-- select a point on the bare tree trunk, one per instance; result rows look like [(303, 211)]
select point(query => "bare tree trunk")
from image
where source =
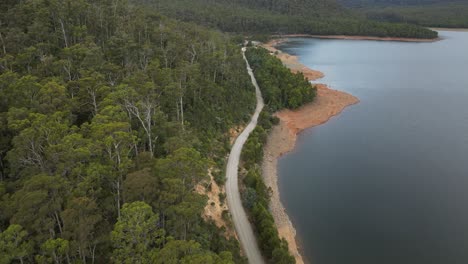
[(68, 258), (118, 198), (92, 93), (193, 52), (3, 44), (58, 223), (145, 121), (119, 180), (2, 168), (93, 254), (67, 69), (56, 258), (83, 256), (64, 33), (136, 149), (182, 111), (148, 125)]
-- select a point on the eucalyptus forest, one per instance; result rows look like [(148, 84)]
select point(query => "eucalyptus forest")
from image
[(110, 115)]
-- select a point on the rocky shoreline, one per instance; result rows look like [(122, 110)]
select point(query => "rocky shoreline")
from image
[(282, 137)]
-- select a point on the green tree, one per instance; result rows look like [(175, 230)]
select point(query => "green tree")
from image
[(136, 234), (54, 251), (38, 133), (14, 245), (185, 164), (186, 214), (80, 226), (114, 141), (281, 254), (178, 251), (140, 98), (38, 205), (141, 186)]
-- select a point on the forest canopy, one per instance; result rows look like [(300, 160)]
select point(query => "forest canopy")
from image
[(434, 13), (321, 17), (110, 116)]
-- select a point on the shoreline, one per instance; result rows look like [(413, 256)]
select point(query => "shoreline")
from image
[(449, 29), (282, 137), (346, 37)]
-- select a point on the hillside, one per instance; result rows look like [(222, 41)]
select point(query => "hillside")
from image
[(323, 17), (110, 116), (115, 124), (435, 13), (306, 8)]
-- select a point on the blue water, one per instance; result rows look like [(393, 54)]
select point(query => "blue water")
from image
[(387, 180)]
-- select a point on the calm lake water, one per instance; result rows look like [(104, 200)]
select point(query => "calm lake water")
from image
[(387, 180)]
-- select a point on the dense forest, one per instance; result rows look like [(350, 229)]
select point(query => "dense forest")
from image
[(435, 13), (280, 88), (110, 115), (323, 17)]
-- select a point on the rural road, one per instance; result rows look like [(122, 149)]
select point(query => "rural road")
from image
[(244, 230)]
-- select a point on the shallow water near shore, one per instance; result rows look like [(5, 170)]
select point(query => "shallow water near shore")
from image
[(387, 180)]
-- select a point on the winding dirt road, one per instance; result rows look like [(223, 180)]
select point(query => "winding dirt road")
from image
[(244, 230)]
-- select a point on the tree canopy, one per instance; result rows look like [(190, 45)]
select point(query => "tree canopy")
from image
[(320, 17), (110, 115)]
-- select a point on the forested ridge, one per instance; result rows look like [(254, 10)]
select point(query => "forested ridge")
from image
[(110, 115), (435, 13), (322, 17), (362, 3)]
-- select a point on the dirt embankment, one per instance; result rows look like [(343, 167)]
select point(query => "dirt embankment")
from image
[(215, 206), (282, 138)]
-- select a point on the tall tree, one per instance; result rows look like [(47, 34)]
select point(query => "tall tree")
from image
[(14, 245), (136, 234), (185, 164), (54, 251), (115, 141), (140, 98), (38, 205), (80, 224)]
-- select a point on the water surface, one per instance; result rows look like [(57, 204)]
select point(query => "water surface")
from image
[(387, 180)]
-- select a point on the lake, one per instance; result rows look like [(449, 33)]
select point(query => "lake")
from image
[(387, 180)]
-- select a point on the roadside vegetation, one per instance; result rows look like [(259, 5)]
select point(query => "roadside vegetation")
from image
[(280, 89)]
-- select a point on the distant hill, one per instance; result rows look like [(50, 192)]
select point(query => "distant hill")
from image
[(373, 3), (323, 17), (287, 7), (435, 13)]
